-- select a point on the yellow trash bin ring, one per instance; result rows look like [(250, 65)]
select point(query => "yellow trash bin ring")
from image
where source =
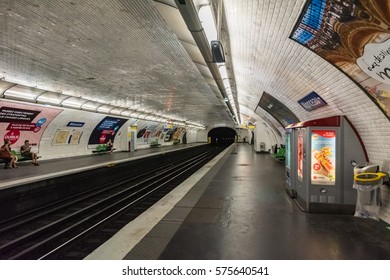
[(369, 178)]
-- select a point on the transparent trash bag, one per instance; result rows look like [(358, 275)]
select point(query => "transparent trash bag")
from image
[(368, 199)]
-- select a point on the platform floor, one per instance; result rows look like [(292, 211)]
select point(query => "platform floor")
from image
[(240, 210), (27, 173)]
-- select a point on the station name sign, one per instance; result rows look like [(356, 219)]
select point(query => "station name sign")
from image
[(312, 101)]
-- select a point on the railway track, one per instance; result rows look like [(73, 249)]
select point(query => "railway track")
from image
[(74, 227)]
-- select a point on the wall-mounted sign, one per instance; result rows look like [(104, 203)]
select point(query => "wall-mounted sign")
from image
[(312, 101), (353, 35), (75, 124), (277, 109)]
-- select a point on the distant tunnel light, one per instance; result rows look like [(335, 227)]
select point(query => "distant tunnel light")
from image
[(207, 20), (23, 93)]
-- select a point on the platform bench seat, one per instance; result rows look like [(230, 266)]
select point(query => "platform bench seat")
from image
[(101, 149), (154, 144), (19, 156)]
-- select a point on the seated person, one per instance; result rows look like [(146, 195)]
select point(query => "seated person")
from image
[(109, 146), (25, 151), (7, 156)]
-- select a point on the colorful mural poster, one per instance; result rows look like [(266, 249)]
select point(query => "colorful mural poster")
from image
[(106, 130), (20, 122), (353, 35), (323, 157), (300, 155)]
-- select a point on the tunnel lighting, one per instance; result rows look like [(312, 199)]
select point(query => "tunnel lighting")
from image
[(223, 71), (50, 97), (73, 102), (207, 20), (91, 106), (117, 110), (105, 108), (4, 86), (126, 113), (226, 83), (19, 92)]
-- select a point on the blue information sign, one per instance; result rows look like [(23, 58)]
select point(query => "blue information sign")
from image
[(75, 124), (312, 101)]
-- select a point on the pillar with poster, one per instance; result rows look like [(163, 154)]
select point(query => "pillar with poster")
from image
[(325, 151)]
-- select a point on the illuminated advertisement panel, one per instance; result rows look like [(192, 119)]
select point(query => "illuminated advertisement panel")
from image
[(277, 110), (288, 151), (353, 35), (20, 122), (300, 155), (323, 157), (106, 130)]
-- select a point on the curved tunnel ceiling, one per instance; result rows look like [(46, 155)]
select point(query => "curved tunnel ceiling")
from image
[(126, 53)]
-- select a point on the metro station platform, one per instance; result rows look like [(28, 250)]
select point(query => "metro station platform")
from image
[(27, 173), (236, 208)]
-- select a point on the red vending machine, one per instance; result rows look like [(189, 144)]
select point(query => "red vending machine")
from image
[(326, 150)]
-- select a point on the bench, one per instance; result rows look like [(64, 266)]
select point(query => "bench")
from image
[(154, 144), (102, 149), (19, 156)]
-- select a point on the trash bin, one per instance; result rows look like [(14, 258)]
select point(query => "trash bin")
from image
[(368, 186)]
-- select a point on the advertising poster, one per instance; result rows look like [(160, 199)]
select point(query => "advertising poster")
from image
[(300, 155), (145, 134), (67, 137), (276, 109), (288, 155), (20, 122), (353, 35), (323, 157), (106, 130)]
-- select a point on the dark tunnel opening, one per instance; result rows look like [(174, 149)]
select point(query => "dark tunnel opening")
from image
[(222, 136)]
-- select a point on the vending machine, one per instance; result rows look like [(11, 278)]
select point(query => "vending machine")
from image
[(290, 163), (326, 152)]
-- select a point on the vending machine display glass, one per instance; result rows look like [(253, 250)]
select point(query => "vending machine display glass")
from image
[(288, 151), (323, 157)]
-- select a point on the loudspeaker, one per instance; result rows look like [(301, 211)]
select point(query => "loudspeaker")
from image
[(217, 52)]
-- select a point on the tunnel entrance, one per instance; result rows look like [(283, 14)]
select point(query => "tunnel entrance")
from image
[(222, 136)]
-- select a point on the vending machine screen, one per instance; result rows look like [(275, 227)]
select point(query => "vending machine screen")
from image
[(323, 157), (300, 155)]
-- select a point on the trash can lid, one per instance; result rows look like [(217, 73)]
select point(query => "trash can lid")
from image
[(369, 178)]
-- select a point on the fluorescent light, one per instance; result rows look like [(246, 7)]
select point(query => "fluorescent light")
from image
[(4, 86), (19, 92), (105, 108), (126, 113), (50, 97), (207, 20), (117, 110), (223, 71), (91, 106), (73, 102)]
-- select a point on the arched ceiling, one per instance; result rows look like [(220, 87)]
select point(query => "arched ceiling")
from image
[(140, 55)]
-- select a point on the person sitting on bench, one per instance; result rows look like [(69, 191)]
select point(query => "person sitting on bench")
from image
[(25, 151), (109, 146), (7, 156)]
